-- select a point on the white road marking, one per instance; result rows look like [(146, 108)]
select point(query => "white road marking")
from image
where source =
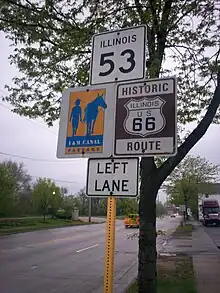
[(87, 248)]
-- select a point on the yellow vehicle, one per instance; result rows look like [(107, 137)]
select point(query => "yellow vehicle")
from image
[(131, 220)]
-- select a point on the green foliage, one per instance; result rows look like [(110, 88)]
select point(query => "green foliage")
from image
[(18, 172), (68, 203), (126, 206), (46, 196), (52, 47), (22, 190), (31, 224), (195, 168), (64, 214), (185, 180), (99, 205), (7, 191)]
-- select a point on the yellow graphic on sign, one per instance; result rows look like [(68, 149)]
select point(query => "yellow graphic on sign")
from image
[(85, 126)]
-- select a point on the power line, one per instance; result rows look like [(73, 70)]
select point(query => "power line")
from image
[(31, 158), (35, 123), (3, 92), (35, 159), (28, 119), (57, 180)]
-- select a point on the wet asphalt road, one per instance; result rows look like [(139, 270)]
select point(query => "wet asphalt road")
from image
[(214, 233), (67, 259)]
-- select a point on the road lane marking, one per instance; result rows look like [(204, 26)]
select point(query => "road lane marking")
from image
[(86, 248)]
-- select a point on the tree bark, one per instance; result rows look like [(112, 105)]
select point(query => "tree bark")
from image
[(168, 166), (151, 180), (147, 281)]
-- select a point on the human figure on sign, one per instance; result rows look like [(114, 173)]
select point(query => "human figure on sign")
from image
[(76, 116), (91, 113)]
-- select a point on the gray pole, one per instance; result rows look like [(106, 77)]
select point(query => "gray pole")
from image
[(90, 209)]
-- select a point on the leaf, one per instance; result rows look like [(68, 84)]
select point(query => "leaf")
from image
[(52, 48)]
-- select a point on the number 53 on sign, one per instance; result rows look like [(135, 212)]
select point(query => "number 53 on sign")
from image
[(118, 55)]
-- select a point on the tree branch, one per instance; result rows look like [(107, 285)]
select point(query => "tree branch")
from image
[(169, 165), (183, 15), (154, 15), (35, 9), (147, 168), (139, 10), (163, 30)]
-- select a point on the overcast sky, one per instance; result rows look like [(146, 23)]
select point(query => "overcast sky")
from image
[(23, 137)]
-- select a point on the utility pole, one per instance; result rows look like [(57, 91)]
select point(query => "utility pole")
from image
[(90, 209), (186, 207)]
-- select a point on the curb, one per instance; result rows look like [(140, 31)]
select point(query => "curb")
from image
[(124, 290)]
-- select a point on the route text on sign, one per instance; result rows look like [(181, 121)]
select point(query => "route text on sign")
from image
[(112, 177)]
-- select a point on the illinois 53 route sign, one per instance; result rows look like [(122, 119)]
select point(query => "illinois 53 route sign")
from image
[(112, 177), (118, 55), (145, 119), (86, 122)]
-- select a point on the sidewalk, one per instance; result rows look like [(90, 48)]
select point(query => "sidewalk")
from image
[(206, 258)]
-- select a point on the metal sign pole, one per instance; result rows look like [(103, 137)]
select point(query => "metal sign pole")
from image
[(110, 246), (90, 209)]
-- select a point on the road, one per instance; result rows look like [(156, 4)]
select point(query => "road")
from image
[(67, 259), (214, 233)]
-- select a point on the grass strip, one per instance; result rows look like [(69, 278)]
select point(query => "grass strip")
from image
[(174, 275), (11, 226)]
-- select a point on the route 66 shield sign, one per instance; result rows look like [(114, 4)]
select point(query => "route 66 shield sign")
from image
[(144, 117)]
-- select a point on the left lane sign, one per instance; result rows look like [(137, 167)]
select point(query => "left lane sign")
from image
[(86, 122), (112, 177)]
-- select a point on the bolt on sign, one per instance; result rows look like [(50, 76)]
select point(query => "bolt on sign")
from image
[(145, 119), (86, 122)]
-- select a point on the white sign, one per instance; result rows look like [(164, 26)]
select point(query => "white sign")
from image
[(112, 177), (153, 121), (145, 119), (118, 55), (87, 122)]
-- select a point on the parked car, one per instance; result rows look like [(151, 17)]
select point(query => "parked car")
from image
[(173, 216), (131, 220)]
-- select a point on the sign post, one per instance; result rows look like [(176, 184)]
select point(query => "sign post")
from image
[(112, 178), (114, 123), (116, 56), (110, 245)]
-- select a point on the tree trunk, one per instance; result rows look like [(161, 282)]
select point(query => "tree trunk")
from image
[(147, 281)]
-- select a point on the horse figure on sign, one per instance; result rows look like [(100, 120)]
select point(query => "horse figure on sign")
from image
[(91, 113)]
